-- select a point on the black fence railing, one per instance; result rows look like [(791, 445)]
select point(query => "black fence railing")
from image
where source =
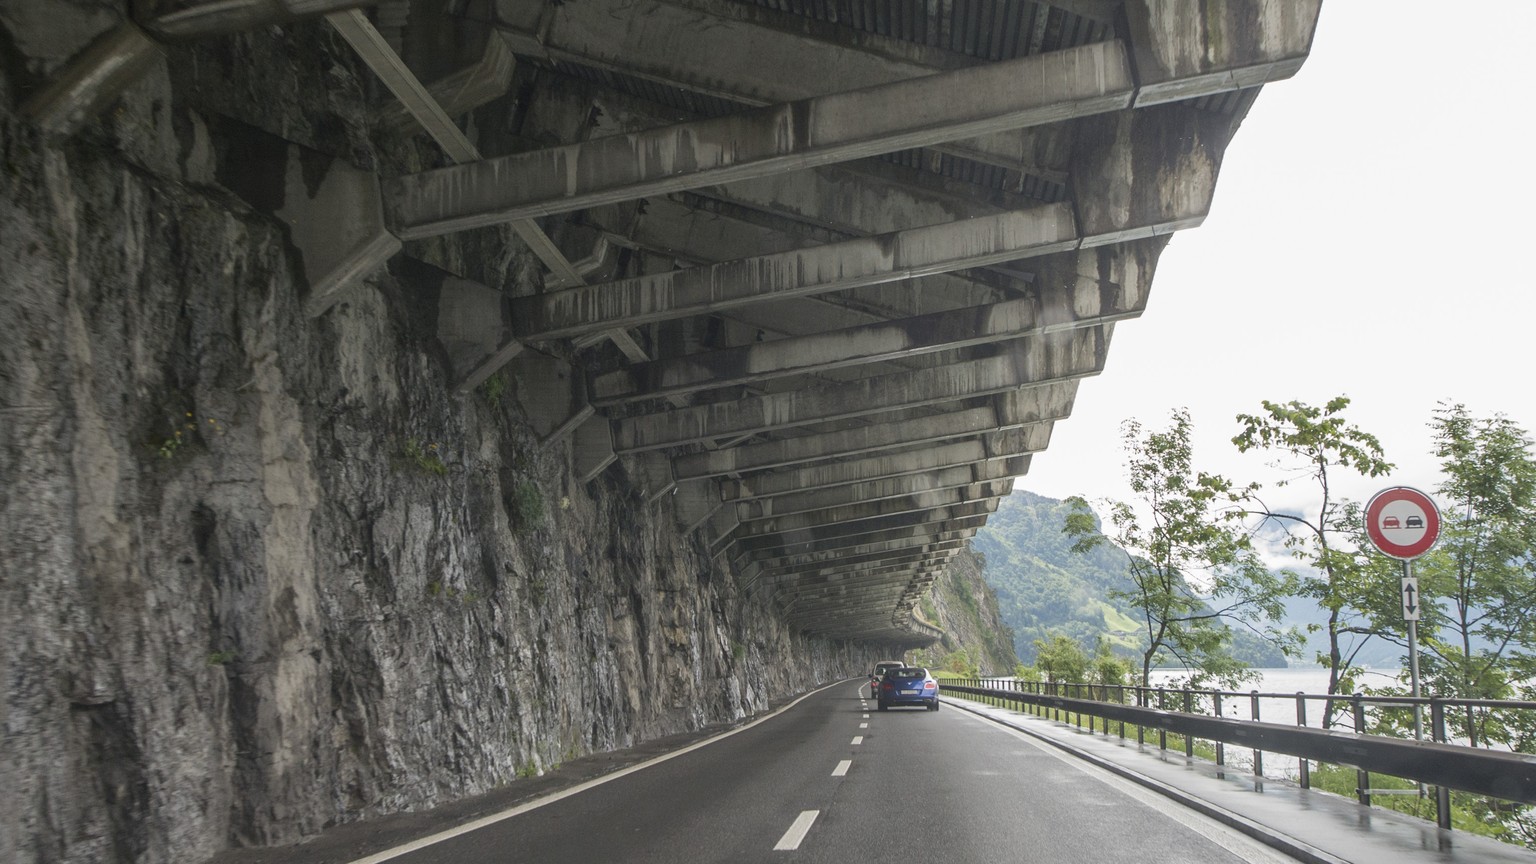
[(1202, 714)]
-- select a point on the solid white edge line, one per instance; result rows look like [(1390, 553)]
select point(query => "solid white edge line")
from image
[(797, 831), (842, 768), (551, 798)]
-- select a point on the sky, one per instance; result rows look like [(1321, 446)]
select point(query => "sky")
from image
[(1371, 236)]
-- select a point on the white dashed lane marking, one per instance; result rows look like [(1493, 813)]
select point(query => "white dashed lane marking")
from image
[(858, 739), (863, 725), (842, 768), (791, 839)]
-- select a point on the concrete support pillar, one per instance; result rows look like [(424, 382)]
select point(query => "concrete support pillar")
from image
[(592, 448), (651, 471), (470, 324), (694, 503), (548, 390), (336, 224)]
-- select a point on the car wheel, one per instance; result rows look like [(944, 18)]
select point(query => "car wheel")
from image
[(883, 706), (934, 705)]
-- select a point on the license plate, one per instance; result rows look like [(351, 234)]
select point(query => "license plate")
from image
[(909, 692)]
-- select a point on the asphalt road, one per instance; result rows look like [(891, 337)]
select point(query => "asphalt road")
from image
[(830, 780)]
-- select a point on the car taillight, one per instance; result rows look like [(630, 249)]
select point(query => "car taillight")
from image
[(928, 685), (888, 686)]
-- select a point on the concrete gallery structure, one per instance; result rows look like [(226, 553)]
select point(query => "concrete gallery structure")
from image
[(824, 273)]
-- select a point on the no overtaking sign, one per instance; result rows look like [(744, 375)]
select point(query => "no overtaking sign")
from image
[(1403, 522)]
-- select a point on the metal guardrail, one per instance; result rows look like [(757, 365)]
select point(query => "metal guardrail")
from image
[(1496, 774)]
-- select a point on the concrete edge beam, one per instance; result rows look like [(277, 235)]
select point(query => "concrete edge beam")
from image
[(964, 103), (1060, 308), (984, 495), (781, 545), (1013, 442), (832, 554), (1032, 361), (890, 487), (811, 270)]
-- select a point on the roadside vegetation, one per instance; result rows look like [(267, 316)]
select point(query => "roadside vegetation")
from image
[(1195, 584)]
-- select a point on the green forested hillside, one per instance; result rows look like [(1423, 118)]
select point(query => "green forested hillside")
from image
[(1043, 586)]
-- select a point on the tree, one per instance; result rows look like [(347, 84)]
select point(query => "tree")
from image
[(1060, 659), (1314, 444), (1188, 532), (1479, 636)]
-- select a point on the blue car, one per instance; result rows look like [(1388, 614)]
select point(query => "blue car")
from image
[(909, 685)]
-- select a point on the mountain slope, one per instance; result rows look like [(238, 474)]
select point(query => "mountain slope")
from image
[(1043, 586)]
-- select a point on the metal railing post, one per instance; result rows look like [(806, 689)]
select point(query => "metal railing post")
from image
[(1162, 704), (1258, 755), (1189, 708), (1437, 733), (1301, 720), (1362, 776), (1221, 748)]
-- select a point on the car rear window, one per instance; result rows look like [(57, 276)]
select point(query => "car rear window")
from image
[(911, 672)]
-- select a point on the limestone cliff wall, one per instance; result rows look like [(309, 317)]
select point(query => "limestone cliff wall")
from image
[(964, 605), (262, 573)]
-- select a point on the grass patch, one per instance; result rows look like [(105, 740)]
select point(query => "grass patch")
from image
[(425, 456)]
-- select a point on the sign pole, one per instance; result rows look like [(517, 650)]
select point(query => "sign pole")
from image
[(1411, 598)]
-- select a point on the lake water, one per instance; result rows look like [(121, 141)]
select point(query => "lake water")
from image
[(1311, 680)]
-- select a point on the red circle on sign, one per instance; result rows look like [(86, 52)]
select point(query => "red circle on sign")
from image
[(1402, 521)]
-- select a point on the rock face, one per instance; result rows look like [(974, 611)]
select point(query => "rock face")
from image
[(962, 603), (264, 573)]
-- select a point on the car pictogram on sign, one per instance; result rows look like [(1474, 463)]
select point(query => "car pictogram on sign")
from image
[(1391, 522), (1415, 522)]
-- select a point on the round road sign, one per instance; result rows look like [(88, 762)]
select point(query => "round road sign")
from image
[(1402, 521)]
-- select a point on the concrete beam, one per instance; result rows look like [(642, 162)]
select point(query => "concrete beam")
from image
[(903, 432), (983, 496), (821, 611), (856, 590), (875, 490), (798, 273), (371, 46), (1185, 48), (697, 45), (1030, 362), (887, 547), (1054, 307), (895, 570), (779, 544), (1013, 442), (463, 91), (864, 565), (964, 103), (1034, 405)]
